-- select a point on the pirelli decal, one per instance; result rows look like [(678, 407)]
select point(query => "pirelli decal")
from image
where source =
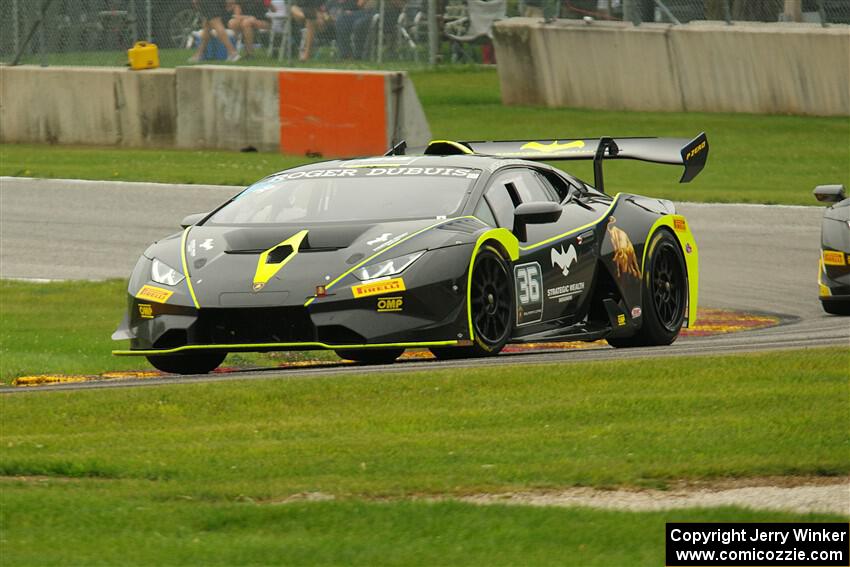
[(156, 294), (833, 258), (679, 224), (696, 150), (381, 287)]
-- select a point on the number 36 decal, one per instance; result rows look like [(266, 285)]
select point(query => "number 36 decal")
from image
[(528, 278)]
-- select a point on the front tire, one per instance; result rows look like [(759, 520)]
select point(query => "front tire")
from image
[(370, 355), (190, 363), (491, 295), (664, 295)]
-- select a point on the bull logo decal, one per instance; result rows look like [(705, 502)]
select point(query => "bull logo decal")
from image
[(564, 259), (624, 253), (382, 238)]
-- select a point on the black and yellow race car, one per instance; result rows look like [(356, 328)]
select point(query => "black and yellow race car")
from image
[(460, 247), (834, 265)]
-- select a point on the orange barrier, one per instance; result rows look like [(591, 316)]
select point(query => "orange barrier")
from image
[(335, 114)]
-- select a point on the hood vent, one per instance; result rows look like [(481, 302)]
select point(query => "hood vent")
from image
[(279, 254), (321, 238)]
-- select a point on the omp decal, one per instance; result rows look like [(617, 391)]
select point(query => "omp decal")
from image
[(624, 252), (833, 258), (253, 346), (186, 267), (145, 311), (390, 304), (378, 288), (511, 245), (696, 150), (575, 230), (152, 293), (564, 260), (636, 312), (265, 270), (553, 147), (687, 242), (528, 279), (679, 224)]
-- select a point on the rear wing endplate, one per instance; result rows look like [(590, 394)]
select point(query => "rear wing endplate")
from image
[(691, 154)]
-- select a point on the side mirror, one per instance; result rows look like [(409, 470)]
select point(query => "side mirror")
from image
[(536, 212), (192, 220), (829, 193)]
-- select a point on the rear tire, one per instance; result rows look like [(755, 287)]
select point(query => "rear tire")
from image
[(492, 299), (370, 355), (664, 296), (836, 307), (191, 363)]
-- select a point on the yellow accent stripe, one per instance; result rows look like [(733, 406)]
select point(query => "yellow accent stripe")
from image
[(504, 237), (685, 237), (573, 231), (378, 253), (309, 345), (186, 266), (823, 291), (265, 271)]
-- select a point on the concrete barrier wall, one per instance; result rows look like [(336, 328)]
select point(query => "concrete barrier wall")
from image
[(205, 106), (747, 67), (228, 107), (87, 105)]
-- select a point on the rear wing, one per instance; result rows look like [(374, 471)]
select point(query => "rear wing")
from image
[(673, 151)]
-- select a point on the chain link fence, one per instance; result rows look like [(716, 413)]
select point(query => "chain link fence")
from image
[(367, 33)]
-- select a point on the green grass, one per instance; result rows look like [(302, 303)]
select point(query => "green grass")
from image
[(197, 473), (65, 327), (601, 424), (40, 530), (754, 158)]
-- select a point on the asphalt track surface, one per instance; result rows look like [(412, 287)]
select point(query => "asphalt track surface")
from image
[(754, 258)]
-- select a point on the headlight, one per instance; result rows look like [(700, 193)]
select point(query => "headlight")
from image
[(387, 267), (165, 274)]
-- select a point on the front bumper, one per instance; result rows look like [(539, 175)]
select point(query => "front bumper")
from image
[(430, 311), (834, 277)]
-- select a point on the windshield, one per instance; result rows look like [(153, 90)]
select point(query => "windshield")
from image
[(367, 194)]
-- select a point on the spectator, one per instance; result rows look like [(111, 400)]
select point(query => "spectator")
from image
[(350, 14), (213, 12), (249, 15), (315, 18)]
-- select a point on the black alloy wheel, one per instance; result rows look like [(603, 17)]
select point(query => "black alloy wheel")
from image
[(664, 295), (491, 296)]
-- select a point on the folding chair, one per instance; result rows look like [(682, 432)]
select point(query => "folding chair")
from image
[(481, 15)]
